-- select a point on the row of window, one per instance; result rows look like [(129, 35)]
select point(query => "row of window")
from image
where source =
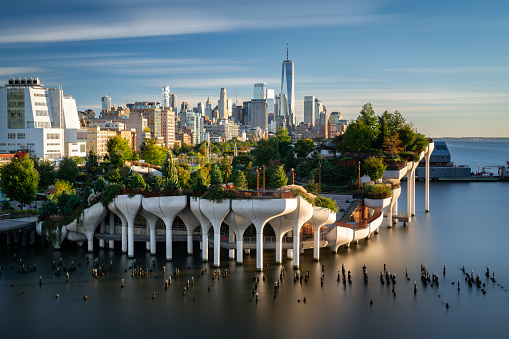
[(52, 136), (40, 95), (41, 113), (13, 135), (40, 103), (43, 124)]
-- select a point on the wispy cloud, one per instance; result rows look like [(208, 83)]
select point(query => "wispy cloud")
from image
[(450, 70), (178, 18), (15, 71)]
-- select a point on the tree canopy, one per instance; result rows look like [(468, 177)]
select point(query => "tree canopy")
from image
[(170, 171), (151, 152), (19, 180), (92, 165), (46, 171), (68, 169), (304, 146)]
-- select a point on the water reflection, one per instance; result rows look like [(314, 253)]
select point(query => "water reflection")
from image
[(467, 226)]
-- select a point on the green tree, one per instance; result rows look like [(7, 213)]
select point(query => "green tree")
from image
[(62, 186), (100, 185), (170, 171), (46, 171), (392, 145), (241, 160), (216, 177), (92, 165), (151, 152), (19, 180), (134, 180), (407, 135), (279, 178), (250, 176), (156, 183), (68, 169), (357, 137), (68, 202), (184, 177), (114, 176), (122, 145), (285, 148), (239, 180), (117, 158), (198, 181), (368, 117), (374, 168), (265, 151), (304, 146)]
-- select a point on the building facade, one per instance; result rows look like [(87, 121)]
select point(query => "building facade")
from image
[(39, 120)]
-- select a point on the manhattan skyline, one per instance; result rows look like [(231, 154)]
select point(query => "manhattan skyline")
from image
[(444, 66)]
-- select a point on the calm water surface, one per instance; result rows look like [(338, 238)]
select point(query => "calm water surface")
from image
[(467, 226), (479, 153)]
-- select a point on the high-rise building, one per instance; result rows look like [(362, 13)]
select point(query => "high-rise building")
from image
[(257, 113), (39, 120), (260, 91), (319, 108), (195, 122), (208, 108), (106, 103), (184, 106), (166, 96), (288, 89), (223, 104), (168, 127), (309, 109), (173, 102)]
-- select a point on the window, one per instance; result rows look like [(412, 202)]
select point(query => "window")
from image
[(21, 135), (11, 136), (52, 136), (41, 113), (53, 144), (43, 124), (40, 95), (15, 108), (40, 103)]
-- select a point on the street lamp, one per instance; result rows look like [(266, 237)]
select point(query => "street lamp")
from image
[(293, 177)]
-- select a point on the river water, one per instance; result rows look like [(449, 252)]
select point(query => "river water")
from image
[(467, 225)]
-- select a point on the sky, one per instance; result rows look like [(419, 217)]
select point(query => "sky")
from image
[(443, 64)]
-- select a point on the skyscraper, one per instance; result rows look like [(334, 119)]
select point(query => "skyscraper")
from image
[(260, 91), (223, 104), (287, 88), (166, 96), (173, 102), (208, 108), (106, 103), (309, 109)]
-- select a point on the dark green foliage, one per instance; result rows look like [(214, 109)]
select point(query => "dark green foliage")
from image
[(420, 143), (304, 146), (357, 137), (239, 180), (134, 180), (46, 171), (368, 117), (156, 183), (374, 167), (327, 203), (218, 194), (184, 176), (68, 202), (312, 186), (279, 178), (114, 176), (304, 196), (99, 185), (250, 176), (407, 135), (92, 165), (48, 208), (170, 171), (241, 160), (198, 181), (110, 193), (216, 177), (265, 151), (68, 170), (117, 158), (376, 191), (331, 173), (19, 180)]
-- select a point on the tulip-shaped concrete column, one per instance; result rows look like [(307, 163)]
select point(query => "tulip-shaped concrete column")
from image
[(261, 211), (129, 207), (111, 228), (89, 220), (321, 216), (281, 225), (215, 212), (297, 218), (191, 223), (390, 209), (239, 224), (102, 229), (113, 208), (167, 209), (205, 226), (410, 184), (429, 150), (151, 221)]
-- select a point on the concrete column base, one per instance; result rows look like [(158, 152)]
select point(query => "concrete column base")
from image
[(231, 254), (111, 244), (101, 243), (289, 253)]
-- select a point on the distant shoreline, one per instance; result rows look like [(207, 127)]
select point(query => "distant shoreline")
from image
[(471, 138)]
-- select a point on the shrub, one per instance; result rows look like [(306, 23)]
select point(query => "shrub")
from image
[(326, 203), (218, 193), (374, 167), (48, 208), (99, 185), (379, 191)]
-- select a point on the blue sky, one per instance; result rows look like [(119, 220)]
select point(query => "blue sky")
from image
[(443, 64)]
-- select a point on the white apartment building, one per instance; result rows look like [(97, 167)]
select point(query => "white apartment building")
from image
[(40, 120)]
